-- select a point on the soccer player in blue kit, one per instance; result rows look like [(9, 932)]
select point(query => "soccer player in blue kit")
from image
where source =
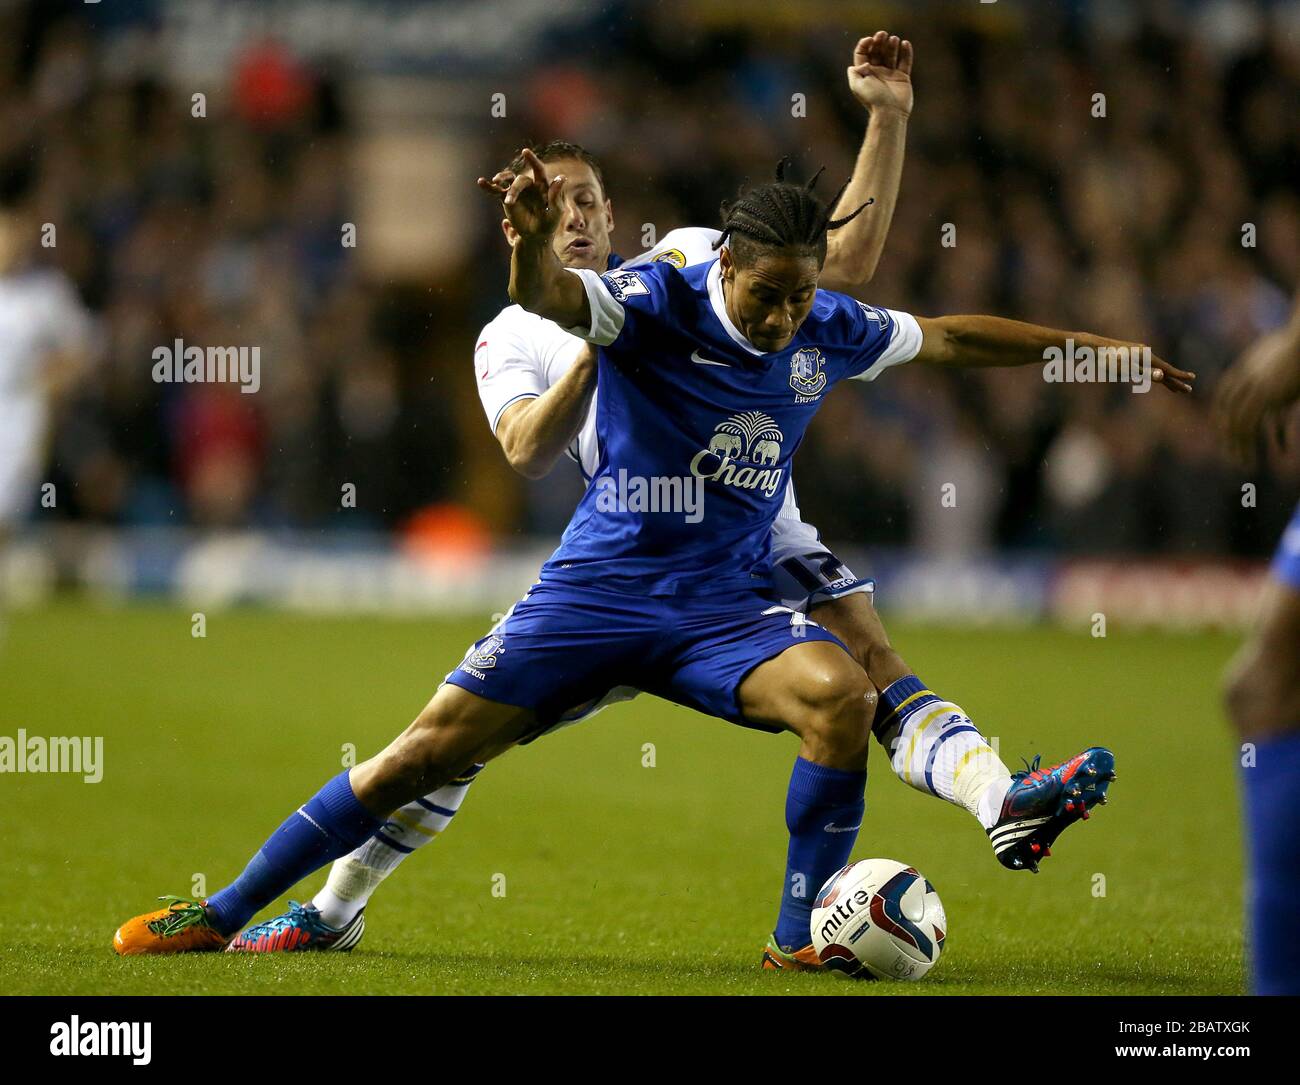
[(1263, 688), (708, 377)]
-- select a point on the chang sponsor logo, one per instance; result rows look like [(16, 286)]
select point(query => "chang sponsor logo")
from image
[(743, 452)]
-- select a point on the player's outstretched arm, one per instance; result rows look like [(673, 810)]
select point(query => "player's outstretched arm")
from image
[(1258, 392), (538, 281), (880, 78), (975, 341)]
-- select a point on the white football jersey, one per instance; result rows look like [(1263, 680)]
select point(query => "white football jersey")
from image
[(40, 315), (519, 355)]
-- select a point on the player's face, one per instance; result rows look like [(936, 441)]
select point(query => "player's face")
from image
[(582, 239), (771, 299)]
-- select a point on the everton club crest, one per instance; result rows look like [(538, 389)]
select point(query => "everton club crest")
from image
[(806, 375), (485, 654)]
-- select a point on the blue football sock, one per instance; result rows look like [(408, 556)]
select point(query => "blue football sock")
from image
[(330, 825), (823, 811), (1272, 793)]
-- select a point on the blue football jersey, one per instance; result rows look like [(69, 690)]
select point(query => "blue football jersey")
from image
[(698, 428)]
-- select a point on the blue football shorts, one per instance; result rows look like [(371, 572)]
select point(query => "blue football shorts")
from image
[(562, 649)]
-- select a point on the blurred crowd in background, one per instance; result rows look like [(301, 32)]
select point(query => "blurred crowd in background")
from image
[(226, 230)]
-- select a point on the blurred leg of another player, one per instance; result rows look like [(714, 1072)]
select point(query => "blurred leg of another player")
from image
[(1257, 397), (1263, 698)]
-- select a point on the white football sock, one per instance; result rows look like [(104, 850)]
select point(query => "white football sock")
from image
[(354, 878), (934, 747)]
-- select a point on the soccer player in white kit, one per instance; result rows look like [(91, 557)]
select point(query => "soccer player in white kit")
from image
[(44, 343)]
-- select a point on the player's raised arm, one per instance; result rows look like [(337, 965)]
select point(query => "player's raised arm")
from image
[(538, 281), (880, 78), (974, 341)]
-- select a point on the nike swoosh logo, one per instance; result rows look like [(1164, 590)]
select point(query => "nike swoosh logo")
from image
[(831, 827), (695, 357)]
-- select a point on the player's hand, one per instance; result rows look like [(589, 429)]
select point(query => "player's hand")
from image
[(1257, 394), (530, 200), (881, 74), (1176, 380)]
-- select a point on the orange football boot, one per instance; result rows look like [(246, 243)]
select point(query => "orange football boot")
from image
[(181, 927), (799, 960)]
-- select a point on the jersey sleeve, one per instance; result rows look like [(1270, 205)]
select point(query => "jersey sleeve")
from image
[(508, 368), (681, 248), (626, 305), (883, 337)]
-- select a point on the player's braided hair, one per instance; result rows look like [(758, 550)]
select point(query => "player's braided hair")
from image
[(780, 215)]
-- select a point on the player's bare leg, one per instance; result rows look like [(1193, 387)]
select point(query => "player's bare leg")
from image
[(1263, 687), (854, 619), (456, 729), (816, 691)]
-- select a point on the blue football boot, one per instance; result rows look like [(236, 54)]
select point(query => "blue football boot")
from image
[(1043, 802), (297, 930)]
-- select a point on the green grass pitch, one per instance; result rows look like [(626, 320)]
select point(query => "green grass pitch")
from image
[(619, 878)]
